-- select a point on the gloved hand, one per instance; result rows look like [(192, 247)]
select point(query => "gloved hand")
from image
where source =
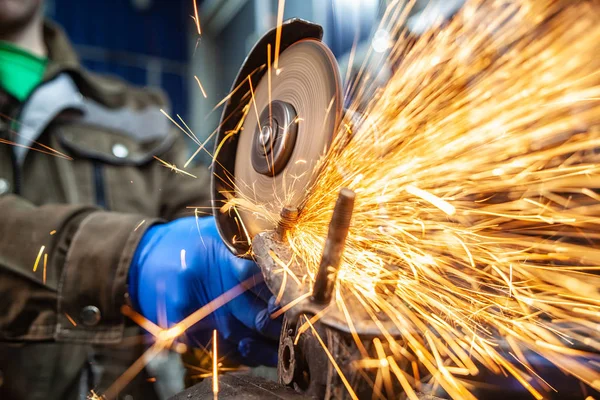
[(159, 283)]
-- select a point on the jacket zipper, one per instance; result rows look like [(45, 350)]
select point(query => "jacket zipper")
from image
[(99, 187), (16, 174), (15, 167)]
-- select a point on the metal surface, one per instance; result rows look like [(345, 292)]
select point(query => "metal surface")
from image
[(240, 387), (304, 365)]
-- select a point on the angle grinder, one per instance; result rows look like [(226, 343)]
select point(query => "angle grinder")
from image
[(277, 125)]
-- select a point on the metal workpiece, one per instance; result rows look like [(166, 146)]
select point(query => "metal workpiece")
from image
[(334, 247), (266, 244), (240, 386), (288, 217), (305, 366)]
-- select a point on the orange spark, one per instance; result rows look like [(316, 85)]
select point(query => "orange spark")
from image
[(133, 370), (333, 362), (289, 305), (188, 134), (215, 379), (94, 396), (219, 301), (45, 263), (140, 224), (197, 18), (431, 198), (39, 256), (71, 320), (280, 9), (166, 336), (174, 168), (145, 323), (201, 87)]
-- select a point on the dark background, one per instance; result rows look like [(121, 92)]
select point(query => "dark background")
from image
[(155, 42)]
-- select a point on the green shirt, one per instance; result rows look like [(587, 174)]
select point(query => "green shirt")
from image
[(20, 71)]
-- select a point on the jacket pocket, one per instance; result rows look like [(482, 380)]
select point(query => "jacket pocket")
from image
[(115, 170), (110, 146)]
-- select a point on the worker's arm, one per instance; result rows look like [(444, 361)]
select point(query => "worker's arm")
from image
[(90, 256), (85, 258)]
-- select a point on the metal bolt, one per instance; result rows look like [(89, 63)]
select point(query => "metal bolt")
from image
[(334, 247), (289, 216), (265, 135)]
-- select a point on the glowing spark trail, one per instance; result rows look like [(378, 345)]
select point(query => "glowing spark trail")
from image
[(280, 9), (45, 265), (139, 225), (71, 320), (332, 360), (477, 175), (174, 168), (38, 258), (200, 85), (215, 376), (197, 19)]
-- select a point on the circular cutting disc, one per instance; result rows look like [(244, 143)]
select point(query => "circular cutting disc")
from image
[(308, 81)]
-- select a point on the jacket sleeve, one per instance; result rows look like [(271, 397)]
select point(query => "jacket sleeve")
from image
[(63, 271)]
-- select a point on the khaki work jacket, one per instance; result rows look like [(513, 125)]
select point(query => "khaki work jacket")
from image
[(79, 180)]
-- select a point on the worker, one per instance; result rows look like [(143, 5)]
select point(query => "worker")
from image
[(91, 222)]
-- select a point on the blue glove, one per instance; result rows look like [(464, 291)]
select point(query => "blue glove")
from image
[(160, 283)]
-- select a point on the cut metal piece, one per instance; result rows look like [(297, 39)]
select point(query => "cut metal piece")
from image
[(278, 151), (268, 243), (334, 247), (288, 217)]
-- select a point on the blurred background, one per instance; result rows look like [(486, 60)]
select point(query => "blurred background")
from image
[(155, 42)]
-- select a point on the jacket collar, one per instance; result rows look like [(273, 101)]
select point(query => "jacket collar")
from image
[(61, 55)]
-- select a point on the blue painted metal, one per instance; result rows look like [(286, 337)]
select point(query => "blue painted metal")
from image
[(117, 26)]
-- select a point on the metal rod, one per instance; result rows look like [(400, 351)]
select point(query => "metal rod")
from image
[(289, 216), (334, 247)]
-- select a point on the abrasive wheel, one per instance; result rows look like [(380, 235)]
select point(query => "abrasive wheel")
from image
[(289, 116)]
